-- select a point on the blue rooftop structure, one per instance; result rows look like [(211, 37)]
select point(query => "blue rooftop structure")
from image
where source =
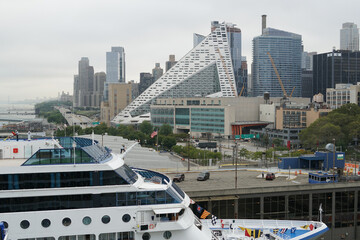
[(317, 161)]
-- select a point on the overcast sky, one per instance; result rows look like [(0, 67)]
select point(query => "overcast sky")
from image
[(41, 41)]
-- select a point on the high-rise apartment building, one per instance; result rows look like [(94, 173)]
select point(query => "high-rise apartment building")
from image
[(99, 81), (169, 64), (84, 84), (331, 68), (146, 79), (157, 71), (120, 95), (285, 49), (115, 67), (205, 70), (349, 37), (234, 39)]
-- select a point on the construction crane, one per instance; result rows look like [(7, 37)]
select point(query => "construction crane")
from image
[(226, 71), (242, 89), (278, 76)]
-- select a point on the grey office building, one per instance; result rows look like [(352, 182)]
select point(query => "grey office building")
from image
[(84, 84), (286, 50)]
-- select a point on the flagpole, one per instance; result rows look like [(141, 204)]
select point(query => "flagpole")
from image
[(157, 140)]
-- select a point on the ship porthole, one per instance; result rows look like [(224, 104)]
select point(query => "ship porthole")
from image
[(126, 218), (86, 220), (45, 223), (146, 236), (167, 235), (105, 219), (66, 222), (24, 224)]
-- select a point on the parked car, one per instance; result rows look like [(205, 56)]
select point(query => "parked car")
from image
[(179, 177), (270, 176), (203, 176)]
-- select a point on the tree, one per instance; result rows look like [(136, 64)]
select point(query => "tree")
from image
[(165, 130), (243, 152), (168, 142), (146, 127)]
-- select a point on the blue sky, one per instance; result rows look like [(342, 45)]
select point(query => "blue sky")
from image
[(41, 41)]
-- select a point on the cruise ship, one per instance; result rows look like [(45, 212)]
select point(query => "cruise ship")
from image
[(74, 189)]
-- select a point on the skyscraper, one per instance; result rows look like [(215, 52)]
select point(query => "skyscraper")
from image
[(169, 64), (115, 67), (349, 37), (157, 71), (205, 70), (234, 39), (285, 49), (331, 68), (146, 79), (99, 81), (84, 84)]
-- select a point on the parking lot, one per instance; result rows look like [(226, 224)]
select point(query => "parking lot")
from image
[(226, 180)]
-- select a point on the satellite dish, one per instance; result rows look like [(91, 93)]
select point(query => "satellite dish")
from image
[(329, 147)]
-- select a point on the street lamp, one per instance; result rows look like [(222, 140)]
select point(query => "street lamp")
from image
[(189, 152), (334, 157)]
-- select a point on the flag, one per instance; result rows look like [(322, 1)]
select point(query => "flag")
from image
[(304, 227), (204, 214), (153, 134), (275, 230), (213, 219), (283, 230), (311, 227), (256, 233), (293, 230)]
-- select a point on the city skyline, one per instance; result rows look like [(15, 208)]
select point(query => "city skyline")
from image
[(42, 41)]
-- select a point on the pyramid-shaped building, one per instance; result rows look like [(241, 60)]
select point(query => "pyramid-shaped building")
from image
[(205, 70)]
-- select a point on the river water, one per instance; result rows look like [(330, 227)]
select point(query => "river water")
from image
[(10, 112)]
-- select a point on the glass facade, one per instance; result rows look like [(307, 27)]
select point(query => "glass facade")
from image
[(59, 180), (62, 202), (160, 116), (182, 116), (286, 50), (208, 120), (346, 70)]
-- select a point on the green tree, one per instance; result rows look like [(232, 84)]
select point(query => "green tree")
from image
[(165, 130), (168, 142), (243, 152), (146, 127)]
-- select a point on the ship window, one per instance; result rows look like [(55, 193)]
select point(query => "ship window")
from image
[(146, 236), (45, 223), (105, 219), (24, 224), (167, 234), (66, 222), (126, 218), (86, 220), (127, 173)]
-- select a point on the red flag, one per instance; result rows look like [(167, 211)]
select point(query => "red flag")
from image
[(288, 144), (153, 134)]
